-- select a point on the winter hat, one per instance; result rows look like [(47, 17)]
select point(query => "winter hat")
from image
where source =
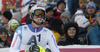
[(49, 9), (81, 20), (12, 21), (7, 14), (18, 16), (66, 14), (3, 30), (91, 4), (31, 4), (59, 2), (71, 24), (82, 1)]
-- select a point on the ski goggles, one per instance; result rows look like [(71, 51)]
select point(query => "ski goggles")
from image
[(39, 12), (15, 25)]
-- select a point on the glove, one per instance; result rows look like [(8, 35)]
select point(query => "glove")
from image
[(35, 48), (48, 50)]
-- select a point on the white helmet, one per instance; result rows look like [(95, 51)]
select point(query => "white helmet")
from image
[(41, 11)]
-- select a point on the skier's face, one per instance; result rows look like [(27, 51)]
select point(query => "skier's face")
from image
[(38, 19)]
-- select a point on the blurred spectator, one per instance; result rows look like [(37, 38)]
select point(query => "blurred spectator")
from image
[(18, 16), (72, 6), (61, 5), (3, 38), (49, 14), (26, 19), (56, 28), (94, 34), (71, 34), (83, 23), (82, 5), (96, 22), (92, 25), (6, 16), (13, 24), (91, 10), (65, 17)]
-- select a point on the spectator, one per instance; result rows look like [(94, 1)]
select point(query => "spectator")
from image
[(3, 38), (26, 19), (91, 10), (82, 5), (61, 5), (96, 22), (92, 25), (12, 25), (71, 34), (94, 34), (6, 16), (83, 23), (49, 14), (56, 28), (65, 17)]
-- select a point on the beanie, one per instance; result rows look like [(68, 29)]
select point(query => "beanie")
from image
[(12, 21), (7, 14), (49, 9), (66, 14), (3, 30), (31, 4), (82, 1), (18, 16), (59, 2), (71, 24), (91, 4)]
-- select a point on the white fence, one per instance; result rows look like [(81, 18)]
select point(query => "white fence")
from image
[(77, 47)]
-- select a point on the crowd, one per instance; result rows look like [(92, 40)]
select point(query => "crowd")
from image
[(80, 24)]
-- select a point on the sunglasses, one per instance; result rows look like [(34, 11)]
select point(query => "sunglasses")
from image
[(39, 12), (15, 25)]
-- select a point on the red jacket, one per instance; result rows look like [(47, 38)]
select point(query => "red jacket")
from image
[(56, 14)]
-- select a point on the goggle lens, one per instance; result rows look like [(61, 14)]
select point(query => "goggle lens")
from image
[(14, 25), (39, 12)]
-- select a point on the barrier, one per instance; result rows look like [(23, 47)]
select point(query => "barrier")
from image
[(71, 48)]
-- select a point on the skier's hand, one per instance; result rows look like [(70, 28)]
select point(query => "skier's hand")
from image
[(35, 48), (48, 50)]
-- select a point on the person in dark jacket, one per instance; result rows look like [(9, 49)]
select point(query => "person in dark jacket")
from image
[(94, 33), (28, 20), (71, 34)]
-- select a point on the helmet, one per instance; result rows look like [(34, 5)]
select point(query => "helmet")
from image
[(37, 10)]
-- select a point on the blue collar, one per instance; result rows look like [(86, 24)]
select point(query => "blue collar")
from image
[(33, 29)]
